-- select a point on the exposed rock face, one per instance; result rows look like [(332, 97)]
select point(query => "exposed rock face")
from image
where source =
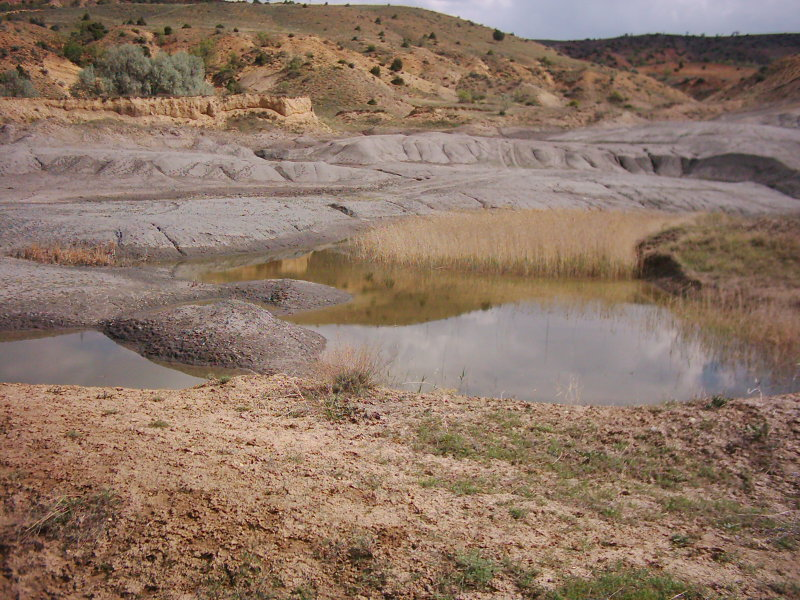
[(200, 109), (230, 333)]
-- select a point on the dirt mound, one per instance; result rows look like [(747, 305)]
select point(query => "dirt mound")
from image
[(230, 333)]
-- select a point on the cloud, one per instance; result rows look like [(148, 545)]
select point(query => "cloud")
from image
[(578, 19)]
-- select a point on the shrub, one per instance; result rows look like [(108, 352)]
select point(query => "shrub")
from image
[(397, 65), (73, 51), (376, 70), (167, 30), (127, 71), (498, 35), (398, 81), (13, 84)]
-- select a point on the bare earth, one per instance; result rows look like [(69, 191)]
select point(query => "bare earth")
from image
[(267, 484)]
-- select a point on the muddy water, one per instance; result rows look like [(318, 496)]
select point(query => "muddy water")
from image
[(540, 340), (84, 358)]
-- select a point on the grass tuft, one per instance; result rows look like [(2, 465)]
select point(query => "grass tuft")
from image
[(628, 584), (351, 371)]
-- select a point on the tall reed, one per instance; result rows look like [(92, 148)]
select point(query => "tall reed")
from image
[(542, 243)]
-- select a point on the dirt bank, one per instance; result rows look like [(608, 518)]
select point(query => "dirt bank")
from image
[(275, 487)]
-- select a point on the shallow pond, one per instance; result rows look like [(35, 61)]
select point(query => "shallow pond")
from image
[(543, 340), (84, 358)]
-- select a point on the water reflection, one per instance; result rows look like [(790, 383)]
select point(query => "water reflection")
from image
[(84, 358), (543, 340)]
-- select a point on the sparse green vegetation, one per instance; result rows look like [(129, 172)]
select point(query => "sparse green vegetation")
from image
[(628, 584), (15, 84), (74, 520)]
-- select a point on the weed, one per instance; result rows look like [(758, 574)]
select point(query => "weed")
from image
[(517, 513), (338, 408), (680, 541), (473, 570), (248, 578), (158, 424), (75, 519), (110, 411), (73, 434), (718, 401)]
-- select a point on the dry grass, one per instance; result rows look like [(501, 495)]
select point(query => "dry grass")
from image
[(542, 243), (351, 370), (90, 255)]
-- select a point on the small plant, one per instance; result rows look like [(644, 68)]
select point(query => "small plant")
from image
[(398, 81), (75, 519), (498, 36), (680, 541), (93, 255), (14, 84), (397, 65), (718, 401), (474, 571), (517, 513), (158, 424), (349, 370), (167, 30), (376, 70)]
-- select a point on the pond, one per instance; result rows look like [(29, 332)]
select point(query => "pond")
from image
[(84, 358), (586, 342)]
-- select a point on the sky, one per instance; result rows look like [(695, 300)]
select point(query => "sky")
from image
[(579, 19)]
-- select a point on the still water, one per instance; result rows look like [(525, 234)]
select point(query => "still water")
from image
[(84, 358), (541, 340)]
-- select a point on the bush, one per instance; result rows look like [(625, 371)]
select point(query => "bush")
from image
[(127, 71), (167, 30), (376, 70), (498, 35), (398, 81), (13, 84), (397, 65), (73, 51)]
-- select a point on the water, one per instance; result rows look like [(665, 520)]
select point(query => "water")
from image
[(541, 340), (84, 358)]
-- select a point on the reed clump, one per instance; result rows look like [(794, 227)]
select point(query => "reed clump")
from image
[(82, 254), (540, 243)]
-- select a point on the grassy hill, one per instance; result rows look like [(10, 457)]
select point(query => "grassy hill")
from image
[(697, 65), (361, 65)]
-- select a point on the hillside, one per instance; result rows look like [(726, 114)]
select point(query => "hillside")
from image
[(361, 65), (697, 65)]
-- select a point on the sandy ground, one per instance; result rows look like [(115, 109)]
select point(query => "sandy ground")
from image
[(273, 485)]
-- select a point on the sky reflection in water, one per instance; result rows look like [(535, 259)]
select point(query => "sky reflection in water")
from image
[(551, 341), (84, 358)]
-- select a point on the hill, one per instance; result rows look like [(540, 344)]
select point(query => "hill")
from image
[(361, 65), (697, 65)]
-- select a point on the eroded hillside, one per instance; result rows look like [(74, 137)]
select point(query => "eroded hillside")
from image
[(360, 65)]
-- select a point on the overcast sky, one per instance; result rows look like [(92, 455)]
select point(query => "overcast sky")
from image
[(578, 19)]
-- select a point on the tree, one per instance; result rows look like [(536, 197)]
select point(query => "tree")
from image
[(498, 35)]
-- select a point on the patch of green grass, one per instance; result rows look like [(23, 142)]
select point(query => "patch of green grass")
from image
[(473, 570), (627, 584)]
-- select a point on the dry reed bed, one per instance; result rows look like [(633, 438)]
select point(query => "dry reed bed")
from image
[(542, 243), (88, 255)]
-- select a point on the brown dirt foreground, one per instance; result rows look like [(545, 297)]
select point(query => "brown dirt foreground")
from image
[(271, 487)]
